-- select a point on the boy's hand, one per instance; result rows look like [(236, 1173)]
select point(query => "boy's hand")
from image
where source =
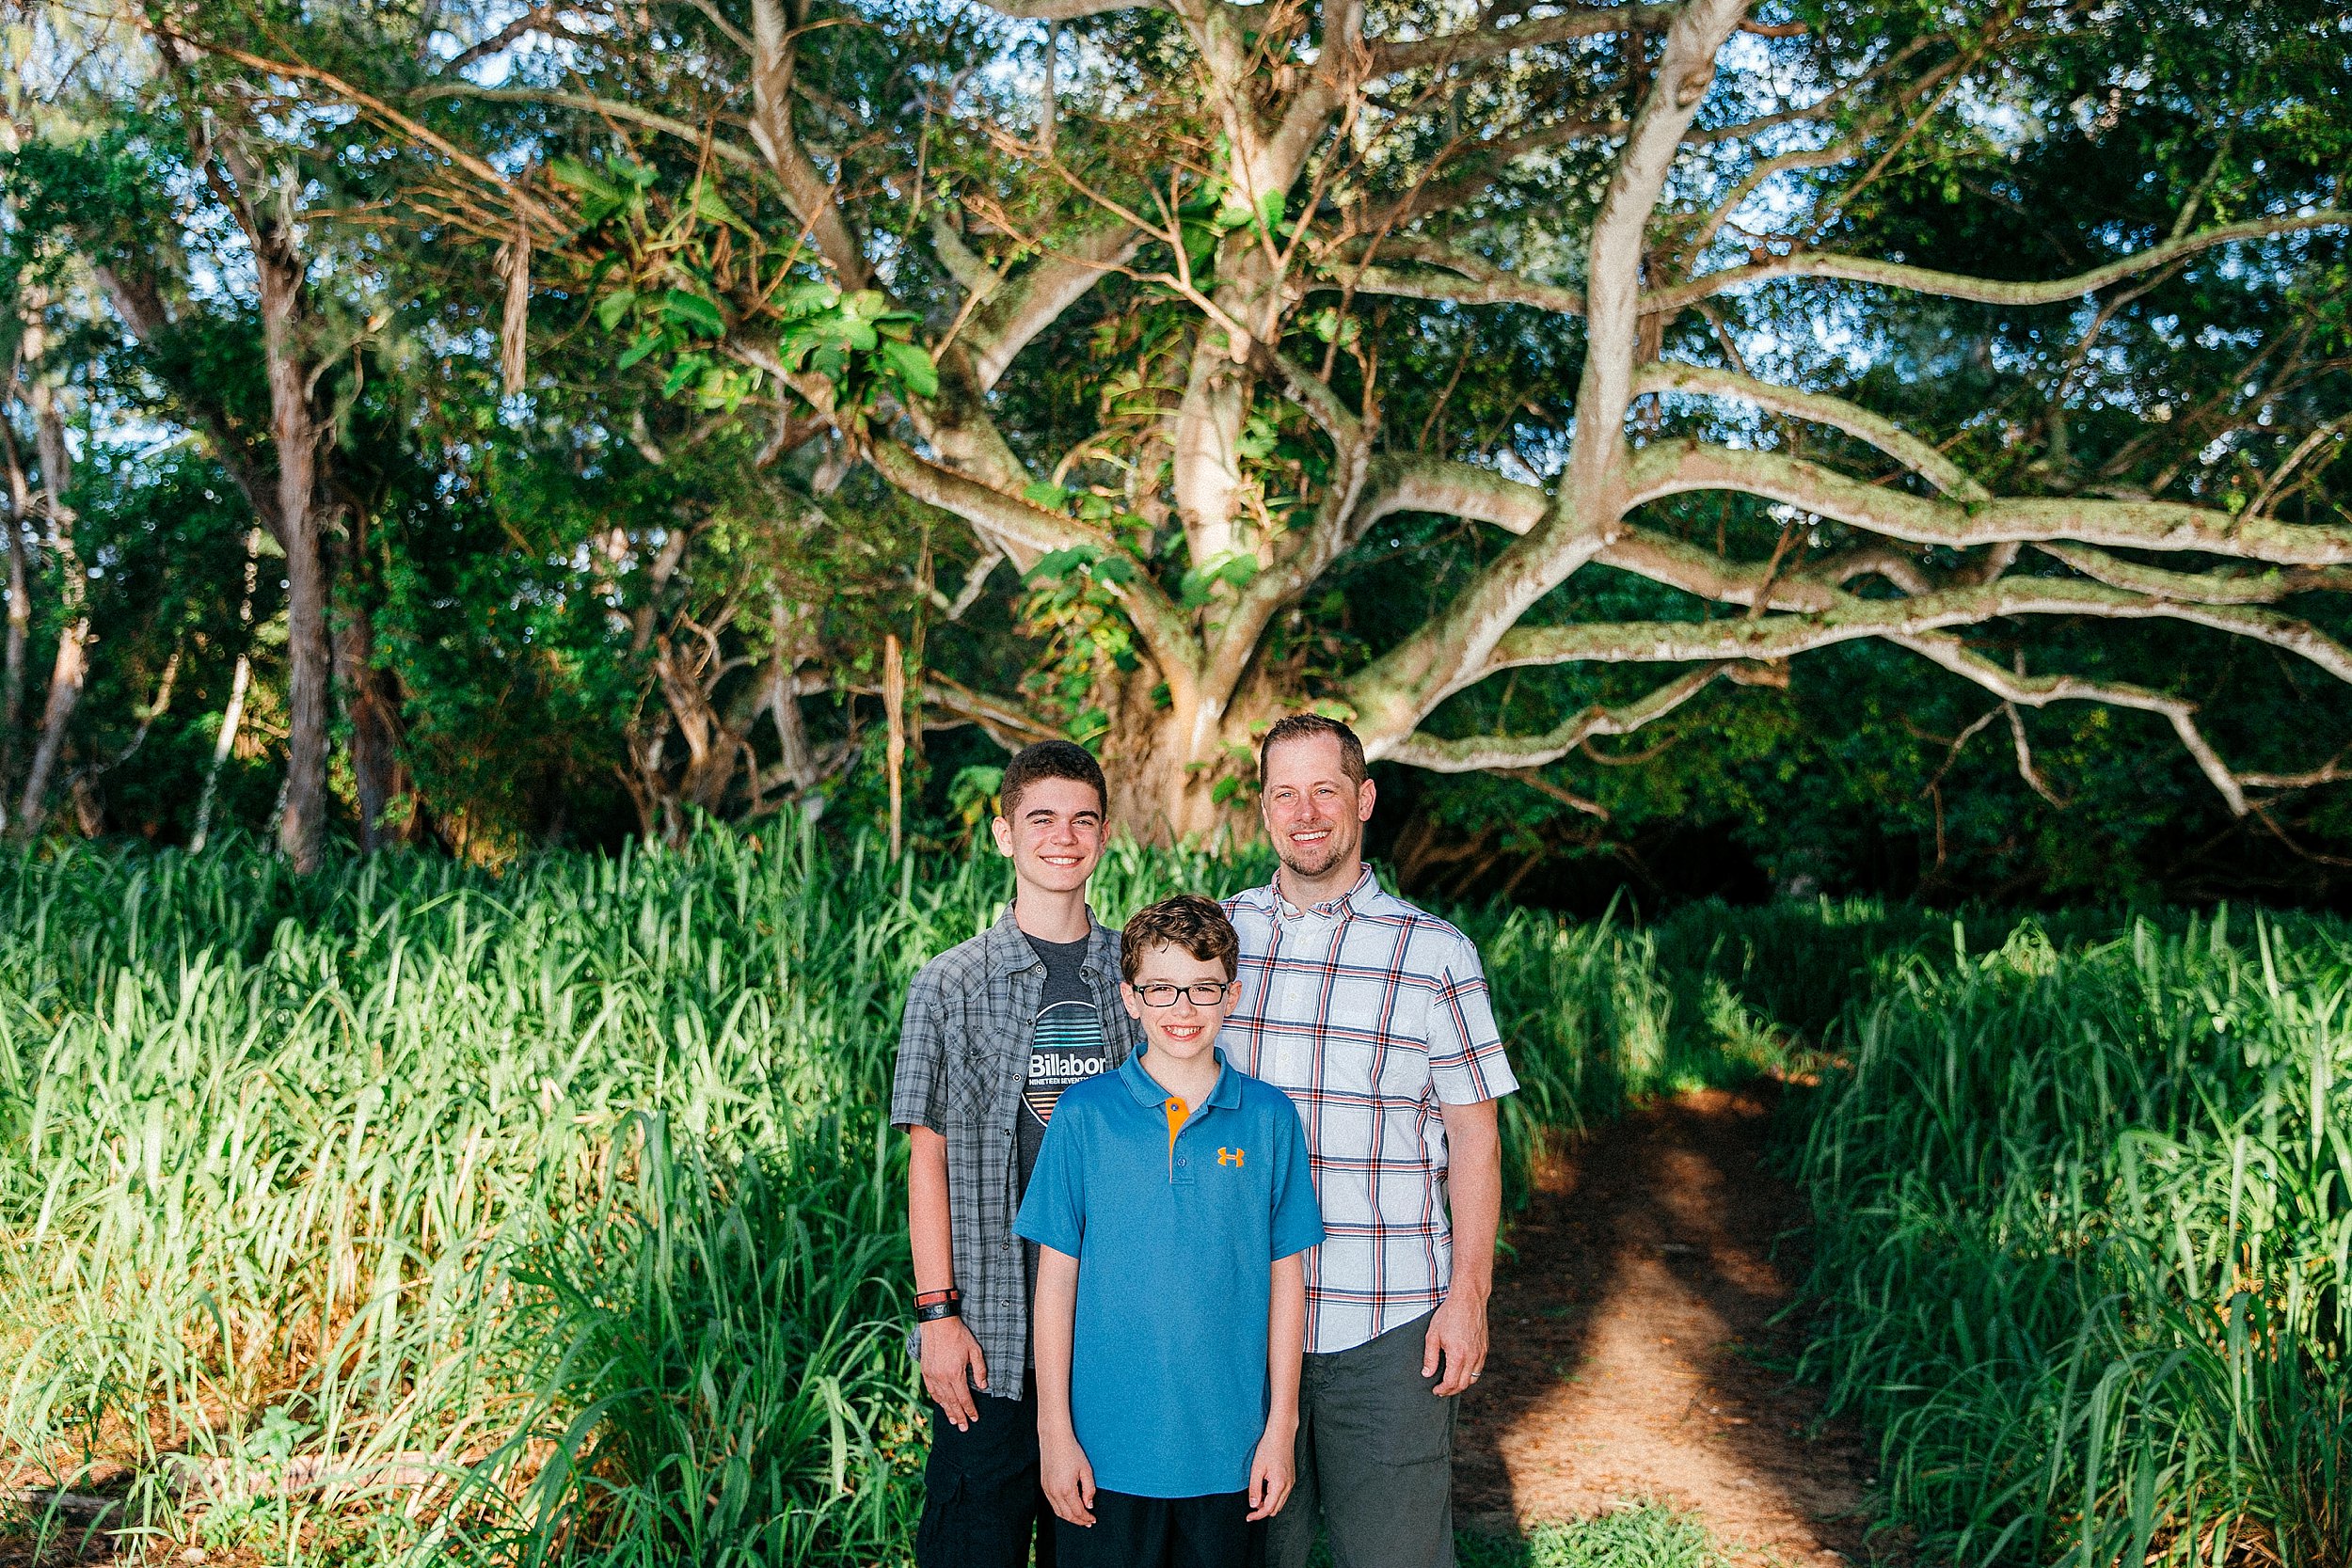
[(1274, 1471), (1067, 1477), (951, 1357)]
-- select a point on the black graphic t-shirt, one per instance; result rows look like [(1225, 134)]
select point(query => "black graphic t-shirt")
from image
[(1065, 1046)]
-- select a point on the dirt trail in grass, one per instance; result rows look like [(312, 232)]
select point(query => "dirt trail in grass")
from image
[(1625, 1332)]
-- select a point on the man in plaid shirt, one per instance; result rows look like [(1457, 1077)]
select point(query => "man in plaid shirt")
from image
[(1373, 1017)]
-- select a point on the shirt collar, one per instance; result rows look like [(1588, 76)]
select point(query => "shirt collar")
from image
[(1345, 906), (1148, 1091), (1009, 953)]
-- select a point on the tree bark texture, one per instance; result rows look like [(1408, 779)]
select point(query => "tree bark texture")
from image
[(20, 610), (375, 716), (70, 668)]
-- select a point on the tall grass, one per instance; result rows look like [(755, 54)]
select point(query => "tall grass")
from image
[(406, 1211), (2084, 1218)]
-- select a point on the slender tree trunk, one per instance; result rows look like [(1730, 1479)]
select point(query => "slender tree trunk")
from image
[(19, 614), (234, 718), (375, 716), (294, 430), (70, 669), (895, 711), (229, 722), (375, 725), (66, 678)]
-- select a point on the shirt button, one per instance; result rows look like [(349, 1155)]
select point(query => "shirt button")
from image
[(1183, 1161)]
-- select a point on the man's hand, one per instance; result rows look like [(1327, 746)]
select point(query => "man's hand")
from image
[(950, 1357), (1275, 1470), (1458, 1331), (1067, 1477)]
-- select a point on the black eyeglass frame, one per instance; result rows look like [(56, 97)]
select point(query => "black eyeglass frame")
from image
[(1220, 989)]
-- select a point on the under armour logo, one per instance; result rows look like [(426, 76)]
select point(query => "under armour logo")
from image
[(1229, 1156)]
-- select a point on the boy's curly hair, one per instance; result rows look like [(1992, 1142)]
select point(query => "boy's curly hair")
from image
[(1187, 921)]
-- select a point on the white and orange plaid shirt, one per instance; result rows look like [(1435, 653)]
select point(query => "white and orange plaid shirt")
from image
[(1372, 1014)]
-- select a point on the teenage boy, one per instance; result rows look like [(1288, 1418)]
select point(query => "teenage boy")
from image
[(1173, 1202), (1372, 1016), (996, 1029)]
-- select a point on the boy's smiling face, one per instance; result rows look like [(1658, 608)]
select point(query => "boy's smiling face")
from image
[(1055, 834), (1185, 1028)]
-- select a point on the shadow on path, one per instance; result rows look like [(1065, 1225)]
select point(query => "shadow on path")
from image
[(1625, 1337)]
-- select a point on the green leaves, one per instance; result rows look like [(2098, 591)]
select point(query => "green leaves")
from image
[(1235, 567), (858, 342), (693, 312), (604, 196), (910, 367)]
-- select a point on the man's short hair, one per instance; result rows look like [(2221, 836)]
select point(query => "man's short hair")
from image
[(1187, 921), (1301, 726), (1049, 759)]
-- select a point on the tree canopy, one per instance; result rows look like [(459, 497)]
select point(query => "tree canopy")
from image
[(1897, 442)]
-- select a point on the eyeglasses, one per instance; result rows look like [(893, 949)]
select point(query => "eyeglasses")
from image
[(1207, 993)]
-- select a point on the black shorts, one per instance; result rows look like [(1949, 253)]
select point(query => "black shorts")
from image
[(1162, 1532)]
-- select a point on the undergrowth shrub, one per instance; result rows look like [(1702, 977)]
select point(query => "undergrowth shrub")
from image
[(2081, 1244)]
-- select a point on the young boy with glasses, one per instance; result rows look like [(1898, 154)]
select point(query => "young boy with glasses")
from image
[(1173, 1206)]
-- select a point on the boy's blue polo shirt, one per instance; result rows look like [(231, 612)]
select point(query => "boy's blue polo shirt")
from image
[(1174, 1237)]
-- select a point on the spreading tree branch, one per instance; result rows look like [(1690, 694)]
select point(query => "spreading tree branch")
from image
[(1498, 752), (1984, 291), (2041, 691), (2223, 586), (1486, 43), (1819, 408), (1677, 467)]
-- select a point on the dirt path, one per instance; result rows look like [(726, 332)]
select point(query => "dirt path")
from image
[(1644, 1269)]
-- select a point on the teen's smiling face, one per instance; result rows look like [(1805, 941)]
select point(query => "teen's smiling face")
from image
[(1188, 1025), (1315, 812), (1055, 834)]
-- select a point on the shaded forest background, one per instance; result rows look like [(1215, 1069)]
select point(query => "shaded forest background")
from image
[(585, 576)]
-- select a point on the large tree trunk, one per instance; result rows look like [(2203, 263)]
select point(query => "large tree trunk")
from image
[(1163, 765)]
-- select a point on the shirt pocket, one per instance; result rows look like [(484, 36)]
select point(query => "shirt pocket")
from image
[(973, 1074), (1402, 1069)]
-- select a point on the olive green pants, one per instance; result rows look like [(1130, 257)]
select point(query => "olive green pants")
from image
[(1376, 1460)]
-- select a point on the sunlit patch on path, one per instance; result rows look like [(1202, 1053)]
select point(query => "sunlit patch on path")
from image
[(1623, 1339)]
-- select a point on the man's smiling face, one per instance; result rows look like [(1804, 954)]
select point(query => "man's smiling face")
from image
[(1314, 811), (1055, 834)]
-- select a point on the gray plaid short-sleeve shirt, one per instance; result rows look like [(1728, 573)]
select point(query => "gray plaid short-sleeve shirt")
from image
[(963, 1059)]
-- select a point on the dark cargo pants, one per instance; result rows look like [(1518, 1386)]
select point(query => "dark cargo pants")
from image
[(1376, 1460), (982, 1506)]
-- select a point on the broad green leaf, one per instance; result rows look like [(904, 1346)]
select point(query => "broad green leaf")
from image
[(711, 207), (912, 367), (693, 312), (642, 347), (1062, 562), (611, 308), (581, 178)]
